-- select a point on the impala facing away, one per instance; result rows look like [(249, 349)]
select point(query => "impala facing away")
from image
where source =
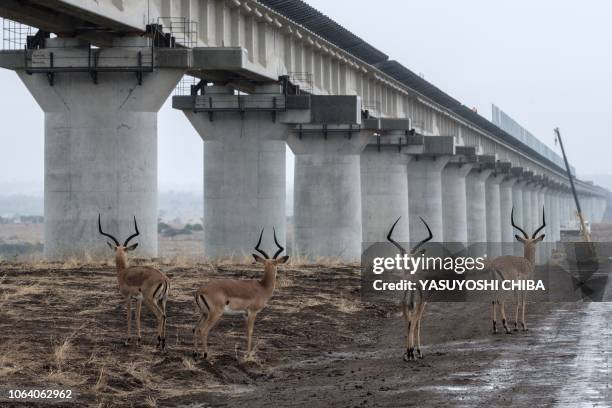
[(516, 268), (234, 296), (142, 283), (414, 301)]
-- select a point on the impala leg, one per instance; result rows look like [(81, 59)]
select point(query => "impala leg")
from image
[(503, 314), (250, 323), (408, 332), (162, 307), (411, 326), (523, 323), (516, 315), (128, 306), (138, 308), (418, 330), (159, 315), (494, 304), (197, 332), (209, 323)]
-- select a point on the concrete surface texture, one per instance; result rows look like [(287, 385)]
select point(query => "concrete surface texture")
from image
[(476, 205), (425, 184), (493, 208), (384, 192), (454, 209), (327, 213), (100, 158), (244, 182)]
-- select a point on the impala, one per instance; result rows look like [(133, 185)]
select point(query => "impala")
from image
[(516, 268), (234, 296), (414, 301), (143, 283)]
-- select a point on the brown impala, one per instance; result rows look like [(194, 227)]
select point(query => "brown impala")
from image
[(231, 296), (142, 283), (414, 301), (516, 268)]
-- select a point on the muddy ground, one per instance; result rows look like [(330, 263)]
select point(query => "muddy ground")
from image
[(317, 343)]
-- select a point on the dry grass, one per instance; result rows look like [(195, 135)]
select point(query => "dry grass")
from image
[(347, 306), (73, 335), (101, 382), (19, 293)]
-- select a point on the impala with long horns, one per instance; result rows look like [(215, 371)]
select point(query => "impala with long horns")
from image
[(142, 283), (231, 296), (414, 301), (516, 268)]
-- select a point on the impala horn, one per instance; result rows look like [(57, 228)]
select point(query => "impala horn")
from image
[(280, 248), (104, 233), (542, 226), (134, 235), (261, 251), (516, 226)]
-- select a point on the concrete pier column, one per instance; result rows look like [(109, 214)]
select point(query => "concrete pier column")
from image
[(100, 156), (565, 204), (476, 205), (327, 194), (528, 194), (556, 215), (425, 181), (547, 245), (537, 203), (384, 193), (506, 202), (519, 193), (493, 208), (454, 203), (244, 181)]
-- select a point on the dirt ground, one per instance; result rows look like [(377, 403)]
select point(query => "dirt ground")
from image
[(317, 343)]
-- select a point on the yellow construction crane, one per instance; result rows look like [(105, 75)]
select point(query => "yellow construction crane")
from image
[(586, 234)]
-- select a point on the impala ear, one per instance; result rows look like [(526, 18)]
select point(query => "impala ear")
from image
[(111, 246), (131, 247), (258, 258), (519, 238), (281, 260), (540, 238)]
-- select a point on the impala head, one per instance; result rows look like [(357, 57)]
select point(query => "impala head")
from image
[(415, 249), (266, 260), (529, 242), (120, 250)]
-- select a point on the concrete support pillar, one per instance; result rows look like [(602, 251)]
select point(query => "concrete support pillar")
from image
[(537, 204), (244, 180), (384, 193), (506, 203), (100, 158), (573, 211), (493, 208), (327, 195), (476, 206), (588, 208), (556, 215), (528, 194), (566, 209), (519, 196), (454, 203), (425, 181), (547, 245)]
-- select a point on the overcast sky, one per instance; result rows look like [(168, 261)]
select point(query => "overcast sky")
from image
[(547, 63)]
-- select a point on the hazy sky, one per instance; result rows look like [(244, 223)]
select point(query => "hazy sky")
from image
[(547, 63)]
